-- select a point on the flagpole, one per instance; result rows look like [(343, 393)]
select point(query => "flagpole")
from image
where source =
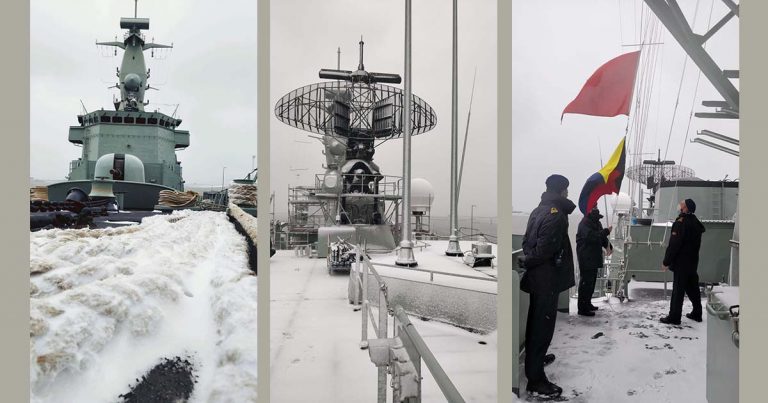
[(453, 241), (607, 216), (626, 132), (405, 255)]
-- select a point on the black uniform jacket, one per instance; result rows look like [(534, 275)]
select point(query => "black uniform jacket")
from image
[(547, 247), (591, 238), (683, 251)]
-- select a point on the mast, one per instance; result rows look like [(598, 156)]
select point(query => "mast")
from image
[(453, 241), (405, 255), (133, 73)]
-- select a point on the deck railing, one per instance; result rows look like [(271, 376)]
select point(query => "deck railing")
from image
[(400, 355)]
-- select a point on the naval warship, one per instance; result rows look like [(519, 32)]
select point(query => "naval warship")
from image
[(368, 302), (127, 148), (606, 358), (135, 305)]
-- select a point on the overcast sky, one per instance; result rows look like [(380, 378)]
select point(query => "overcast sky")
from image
[(210, 73), (557, 45), (304, 38)]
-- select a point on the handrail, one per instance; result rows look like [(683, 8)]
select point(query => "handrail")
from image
[(363, 267), (433, 272), (441, 378)]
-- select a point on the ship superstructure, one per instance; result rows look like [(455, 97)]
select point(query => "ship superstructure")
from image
[(130, 129)]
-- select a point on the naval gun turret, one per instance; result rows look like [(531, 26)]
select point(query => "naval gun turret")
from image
[(129, 130)]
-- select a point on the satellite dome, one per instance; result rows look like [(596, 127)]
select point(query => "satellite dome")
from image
[(132, 82), (622, 202), (422, 194)]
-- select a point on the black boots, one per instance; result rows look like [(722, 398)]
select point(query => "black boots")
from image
[(590, 311), (543, 389), (691, 316), (669, 321)]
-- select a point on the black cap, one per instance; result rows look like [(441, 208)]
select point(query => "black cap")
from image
[(691, 205), (595, 213), (557, 183)]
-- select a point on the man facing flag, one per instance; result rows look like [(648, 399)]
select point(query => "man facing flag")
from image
[(605, 181)]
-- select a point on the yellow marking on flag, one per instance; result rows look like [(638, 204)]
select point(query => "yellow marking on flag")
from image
[(613, 162)]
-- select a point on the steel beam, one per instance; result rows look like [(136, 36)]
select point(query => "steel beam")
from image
[(732, 6), (716, 146), (715, 104), (719, 136), (670, 15), (716, 27), (715, 115)]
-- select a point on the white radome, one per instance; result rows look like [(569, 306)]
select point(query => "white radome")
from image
[(622, 202), (422, 194)]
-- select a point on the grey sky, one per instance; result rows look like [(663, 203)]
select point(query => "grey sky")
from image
[(557, 45), (211, 73), (304, 38)]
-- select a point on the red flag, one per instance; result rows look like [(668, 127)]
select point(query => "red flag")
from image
[(609, 91)]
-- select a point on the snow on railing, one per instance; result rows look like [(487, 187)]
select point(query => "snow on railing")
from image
[(400, 355)]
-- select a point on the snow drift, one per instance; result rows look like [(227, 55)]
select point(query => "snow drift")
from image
[(107, 305)]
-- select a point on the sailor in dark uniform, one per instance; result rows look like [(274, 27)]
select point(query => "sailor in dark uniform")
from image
[(591, 239), (549, 271), (682, 258)]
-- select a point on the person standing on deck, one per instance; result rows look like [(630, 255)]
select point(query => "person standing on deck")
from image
[(682, 258), (591, 239), (549, 271)]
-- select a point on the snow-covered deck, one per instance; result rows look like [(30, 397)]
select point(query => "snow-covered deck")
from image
[(432, 257), (636, 359), (315, 336), (107, 305)]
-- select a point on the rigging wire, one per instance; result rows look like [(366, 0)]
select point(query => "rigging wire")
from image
[(672, 203), (690, 116), (644, 88), (621, 24), (680, 87)]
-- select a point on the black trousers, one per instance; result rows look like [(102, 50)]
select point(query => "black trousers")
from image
[(684, 284), (542, 313), (587, 279)]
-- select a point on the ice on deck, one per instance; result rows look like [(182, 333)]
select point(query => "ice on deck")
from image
[(106, 305), (433, 257), (636, 359), (315, 336)]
